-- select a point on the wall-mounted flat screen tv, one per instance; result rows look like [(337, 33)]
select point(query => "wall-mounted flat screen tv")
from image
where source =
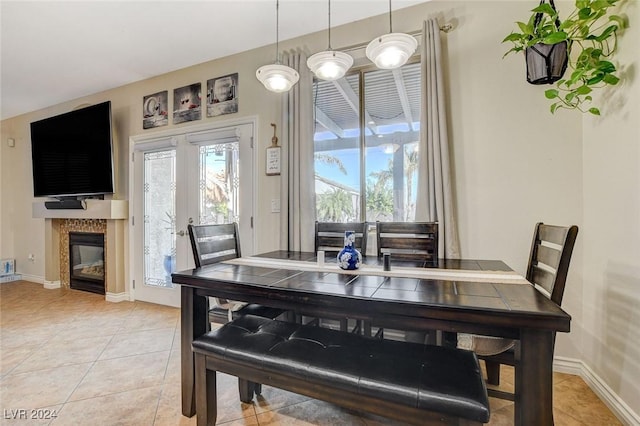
[(72, 153)]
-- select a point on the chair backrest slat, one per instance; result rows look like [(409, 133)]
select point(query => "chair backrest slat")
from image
[(544, 279), (408, 240), (551, 251), (330, 236), (553, 234), (214, 243), (549, 256)]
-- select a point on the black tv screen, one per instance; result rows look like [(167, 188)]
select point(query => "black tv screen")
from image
[(72, 153)]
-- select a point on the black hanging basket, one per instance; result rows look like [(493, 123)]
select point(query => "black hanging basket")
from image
[(546, 63)]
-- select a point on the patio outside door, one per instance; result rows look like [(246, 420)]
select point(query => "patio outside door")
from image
[(204, 175)]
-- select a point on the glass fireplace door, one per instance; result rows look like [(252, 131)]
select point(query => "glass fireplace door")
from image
[(86, 262)]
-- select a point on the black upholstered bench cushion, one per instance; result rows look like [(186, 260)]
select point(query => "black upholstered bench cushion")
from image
[(434, 378)]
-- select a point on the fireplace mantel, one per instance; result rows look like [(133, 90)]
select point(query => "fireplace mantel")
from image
[(115, 213), (96, 209)]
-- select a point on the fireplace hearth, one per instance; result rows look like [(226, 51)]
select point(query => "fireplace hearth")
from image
[(87, 262)]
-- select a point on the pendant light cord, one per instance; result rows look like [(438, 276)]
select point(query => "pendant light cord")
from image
[(329, 25), (277, 31), (390, 28)]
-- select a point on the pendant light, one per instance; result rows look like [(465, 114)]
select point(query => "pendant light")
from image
[(330, 65), (277, 77), (391, 50)]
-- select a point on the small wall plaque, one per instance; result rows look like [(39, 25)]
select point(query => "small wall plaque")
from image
[(273, 155)]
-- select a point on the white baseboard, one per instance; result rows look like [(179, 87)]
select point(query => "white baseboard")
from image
[(117, 297), (32, 278), (568, 365), (50, 285), (620, 409)]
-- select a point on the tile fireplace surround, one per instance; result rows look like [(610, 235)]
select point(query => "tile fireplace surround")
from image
[(103, 216)]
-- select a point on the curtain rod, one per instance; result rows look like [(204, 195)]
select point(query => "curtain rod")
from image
[(446, 28)]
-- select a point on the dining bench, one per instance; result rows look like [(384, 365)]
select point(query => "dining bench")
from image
[(414, 383)]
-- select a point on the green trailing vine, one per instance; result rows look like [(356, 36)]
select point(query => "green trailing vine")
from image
[(591, 33)]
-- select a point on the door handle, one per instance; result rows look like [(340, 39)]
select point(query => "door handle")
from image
[(180, 233)]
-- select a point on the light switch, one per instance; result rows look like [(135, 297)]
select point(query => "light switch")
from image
[(11, 142)]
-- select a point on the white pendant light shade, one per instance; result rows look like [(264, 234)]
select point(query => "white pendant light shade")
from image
[(330, 65), (392, 50), (277, 77)]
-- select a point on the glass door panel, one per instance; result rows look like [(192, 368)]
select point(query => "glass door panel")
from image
[(219, 183), (159, 217)]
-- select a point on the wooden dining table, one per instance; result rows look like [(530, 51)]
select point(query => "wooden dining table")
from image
[(461, 296)]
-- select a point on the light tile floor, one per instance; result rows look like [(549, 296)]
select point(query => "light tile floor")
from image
[(72, 354)]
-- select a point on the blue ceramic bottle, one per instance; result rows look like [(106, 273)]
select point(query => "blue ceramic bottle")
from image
[(349, 258)]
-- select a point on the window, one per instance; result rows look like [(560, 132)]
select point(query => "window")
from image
[(367, 127)]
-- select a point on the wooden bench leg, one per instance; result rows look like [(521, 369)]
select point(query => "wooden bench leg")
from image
[(206, 398), (245, 389)]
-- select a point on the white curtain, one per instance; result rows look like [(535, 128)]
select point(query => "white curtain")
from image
[(435, 201), (297, 221)]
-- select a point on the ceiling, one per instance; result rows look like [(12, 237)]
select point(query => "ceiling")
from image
[(55, 51)]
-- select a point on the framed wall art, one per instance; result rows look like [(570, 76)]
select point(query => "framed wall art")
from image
[(187, 103), (222, 95), (155, 110)]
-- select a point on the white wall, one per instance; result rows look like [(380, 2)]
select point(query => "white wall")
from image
[(514, 162), (15, 178), (611, 231), (4, 245)]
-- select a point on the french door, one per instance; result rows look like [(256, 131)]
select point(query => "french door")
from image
[(199, 174)]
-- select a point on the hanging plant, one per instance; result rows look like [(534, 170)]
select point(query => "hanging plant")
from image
[(589, 35)]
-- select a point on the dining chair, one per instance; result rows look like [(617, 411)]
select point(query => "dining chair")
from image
[(411, 241), (329, 237), (547, 270), (214, 243), (408, 241)]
